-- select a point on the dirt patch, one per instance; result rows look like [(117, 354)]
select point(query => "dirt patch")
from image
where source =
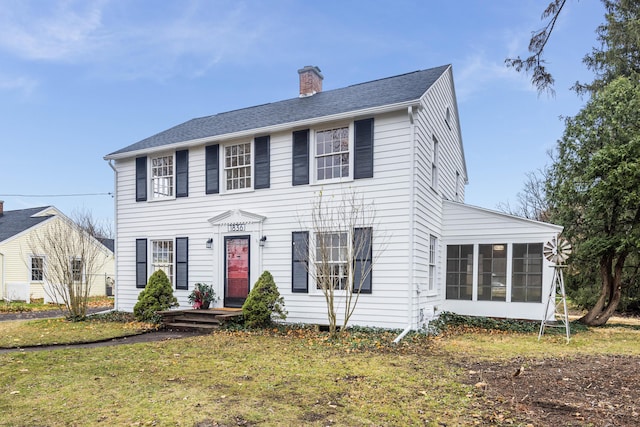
[(578, 391)]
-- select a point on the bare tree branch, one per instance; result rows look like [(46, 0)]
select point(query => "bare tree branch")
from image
[(534, 63)]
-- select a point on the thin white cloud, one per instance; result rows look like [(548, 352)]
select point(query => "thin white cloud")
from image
[(124, 40), (54, 31), (479, 73), (24, 86)]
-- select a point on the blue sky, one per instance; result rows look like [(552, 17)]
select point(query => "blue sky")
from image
[(81, 79)]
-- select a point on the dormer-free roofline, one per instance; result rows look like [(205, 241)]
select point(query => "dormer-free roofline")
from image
[(267, 129), (368, 98)]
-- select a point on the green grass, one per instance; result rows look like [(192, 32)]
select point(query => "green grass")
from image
[(25, 333), (39, 305), (232, 378), (283, 376), (491, 345)]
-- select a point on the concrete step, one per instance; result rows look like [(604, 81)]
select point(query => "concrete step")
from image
[(191, 326), (196, 318)]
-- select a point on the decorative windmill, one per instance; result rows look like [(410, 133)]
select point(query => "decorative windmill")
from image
[(556, 251)]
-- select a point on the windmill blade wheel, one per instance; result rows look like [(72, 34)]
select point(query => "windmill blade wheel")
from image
[(557, 250)]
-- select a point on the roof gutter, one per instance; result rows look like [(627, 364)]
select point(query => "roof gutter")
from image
[(412, 208), (115, 240), (266, 129)]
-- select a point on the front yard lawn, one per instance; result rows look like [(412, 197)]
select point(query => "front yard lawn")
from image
[(295, 376)]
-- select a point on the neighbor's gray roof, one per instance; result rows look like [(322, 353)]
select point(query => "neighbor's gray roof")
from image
[(15, 222), (387, 91)]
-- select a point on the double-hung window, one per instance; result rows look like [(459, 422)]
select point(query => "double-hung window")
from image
[(167, 175), (331, 260), (237, 166), (162, 257), (337, 260), (332, 153), (162, 177), (433, 243), (435, 160), (76, 269), (37, 269)]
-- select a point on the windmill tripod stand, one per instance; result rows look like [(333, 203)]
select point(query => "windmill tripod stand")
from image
[(556, 251)]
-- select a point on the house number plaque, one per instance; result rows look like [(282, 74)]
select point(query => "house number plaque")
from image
[(238, 226)]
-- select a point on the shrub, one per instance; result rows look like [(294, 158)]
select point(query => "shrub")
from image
[(263, 303), (156, 296)]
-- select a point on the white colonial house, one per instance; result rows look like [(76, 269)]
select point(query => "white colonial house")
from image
[(220, 199)]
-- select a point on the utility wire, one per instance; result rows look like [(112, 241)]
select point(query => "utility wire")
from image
[(57, 195)]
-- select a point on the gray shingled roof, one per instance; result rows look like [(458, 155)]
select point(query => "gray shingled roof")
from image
[(15, 222), (387, 91)]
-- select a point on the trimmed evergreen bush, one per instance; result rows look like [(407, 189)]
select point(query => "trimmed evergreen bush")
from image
[(263, 303), (156, 296)]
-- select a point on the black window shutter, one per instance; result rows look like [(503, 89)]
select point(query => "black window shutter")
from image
[(262, 162), (300, 261), (141, 179), (363, 150), (141, 263), (182, 173), (182, 263), (212, 165), (301, 157), (363, 259)]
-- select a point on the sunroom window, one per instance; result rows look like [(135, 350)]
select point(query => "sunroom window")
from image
[(527, 272), (492, 272), (460, 272)]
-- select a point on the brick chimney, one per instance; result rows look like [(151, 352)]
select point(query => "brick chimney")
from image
[(310, 80)]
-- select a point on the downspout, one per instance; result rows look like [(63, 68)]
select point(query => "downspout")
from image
[(2, 284), (412, 196), (115, 240)]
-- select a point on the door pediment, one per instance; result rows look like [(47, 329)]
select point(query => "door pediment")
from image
[(236, 216)]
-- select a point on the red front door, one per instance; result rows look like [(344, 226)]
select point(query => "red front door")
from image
[(236, 272)]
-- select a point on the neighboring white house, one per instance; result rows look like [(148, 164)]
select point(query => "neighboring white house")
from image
[(219, 199), (23, 272)]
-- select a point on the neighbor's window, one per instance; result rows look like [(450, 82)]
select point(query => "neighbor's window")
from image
[(237, 166), (459, 272), (526, 283), (331, 260), (162, 257), (332, 153), (76, 269), (433, 243), (492, 272), (162, 177), (37, 269)]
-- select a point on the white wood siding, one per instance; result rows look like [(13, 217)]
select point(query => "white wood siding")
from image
[(430, 124), (286, 208)]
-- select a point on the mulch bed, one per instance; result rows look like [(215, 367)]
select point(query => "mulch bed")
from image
[(578, 391)]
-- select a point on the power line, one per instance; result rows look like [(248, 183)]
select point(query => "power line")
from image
[(57, 195)]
